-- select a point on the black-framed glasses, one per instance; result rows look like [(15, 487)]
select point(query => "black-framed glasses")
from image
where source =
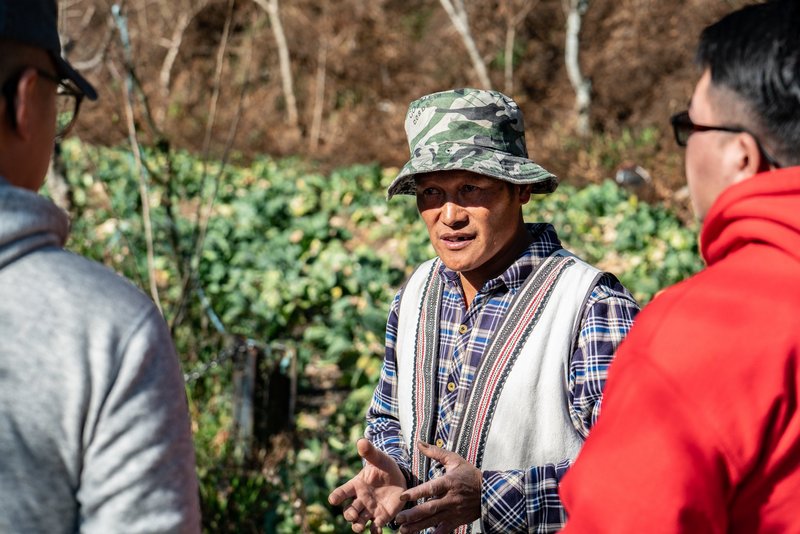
[(68, 100), (683, 127)]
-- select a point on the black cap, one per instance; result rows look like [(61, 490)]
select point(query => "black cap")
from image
[(35, 23)]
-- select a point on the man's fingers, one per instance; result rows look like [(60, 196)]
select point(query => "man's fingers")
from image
[(360, 508), (433, 452), (360, 523), (342, 493), (382, 517), (420, 512), (373, 455), (421, 517), (352, 513), (433, 488)]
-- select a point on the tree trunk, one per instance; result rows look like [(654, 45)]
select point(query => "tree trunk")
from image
[(319, 97), (272, 9), (514, 16), (576, 9), (458, 15), (511, 32)]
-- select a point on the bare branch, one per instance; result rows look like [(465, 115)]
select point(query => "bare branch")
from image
[(173, 48), (511, 34), (458, 16), (212, 111), (98, 58), (514, 17), (204, 210), (198, 234), (319, 86), (234, 128), (272, 9), (144, 195), (319, 97), (184, 18), (66, 37), (127, 86)]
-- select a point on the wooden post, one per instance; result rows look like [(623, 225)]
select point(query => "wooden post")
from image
[(244, 378)]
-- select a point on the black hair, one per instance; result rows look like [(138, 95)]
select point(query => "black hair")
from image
[(755, 52)]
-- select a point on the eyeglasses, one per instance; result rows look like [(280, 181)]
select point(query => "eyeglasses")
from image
[(68, 103), (68, 100), (683, 127)]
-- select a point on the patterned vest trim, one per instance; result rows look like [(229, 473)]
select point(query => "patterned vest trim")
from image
[(501, 355)]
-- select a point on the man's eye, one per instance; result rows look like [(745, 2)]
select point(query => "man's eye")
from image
[(467, 188), (429, 191)]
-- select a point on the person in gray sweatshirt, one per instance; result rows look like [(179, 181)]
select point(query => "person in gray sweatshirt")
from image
[(94, 426)]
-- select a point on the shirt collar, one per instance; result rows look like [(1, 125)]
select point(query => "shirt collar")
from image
[(545, 241)]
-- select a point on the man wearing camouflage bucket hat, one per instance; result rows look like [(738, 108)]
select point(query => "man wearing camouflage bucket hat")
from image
[(478, 131), (496, 350)]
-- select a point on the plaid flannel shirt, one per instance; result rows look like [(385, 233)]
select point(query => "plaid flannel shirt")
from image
[(520, 500)]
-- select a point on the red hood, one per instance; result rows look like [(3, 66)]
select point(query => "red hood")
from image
[(763, 209)]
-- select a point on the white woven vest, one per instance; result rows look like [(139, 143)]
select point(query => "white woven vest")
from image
[(517, 412)]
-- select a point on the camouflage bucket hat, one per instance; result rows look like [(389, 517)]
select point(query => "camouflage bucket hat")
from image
[(469, 129)]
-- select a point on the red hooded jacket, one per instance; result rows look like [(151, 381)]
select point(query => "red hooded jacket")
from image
[(700, 430)]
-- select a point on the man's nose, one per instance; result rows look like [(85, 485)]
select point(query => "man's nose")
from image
[(453, 213)]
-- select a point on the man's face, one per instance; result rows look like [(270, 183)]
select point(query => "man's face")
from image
[(708, 168), (28, 146), (472, 220)]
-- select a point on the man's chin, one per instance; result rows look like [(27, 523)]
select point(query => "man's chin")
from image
[(458, 265)]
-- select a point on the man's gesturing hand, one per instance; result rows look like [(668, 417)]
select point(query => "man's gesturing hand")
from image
[(455, 497), (375, 490)]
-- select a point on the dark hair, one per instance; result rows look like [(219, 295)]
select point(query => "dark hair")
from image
[(755, 52)]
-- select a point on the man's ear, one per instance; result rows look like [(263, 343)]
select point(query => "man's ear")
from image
[(745, 157), (524, 193), (25, 103)]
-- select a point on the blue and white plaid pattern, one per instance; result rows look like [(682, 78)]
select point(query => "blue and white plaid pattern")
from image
[(518, 500)]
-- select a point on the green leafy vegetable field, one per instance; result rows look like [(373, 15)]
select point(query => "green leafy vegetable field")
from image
[(300, 267)]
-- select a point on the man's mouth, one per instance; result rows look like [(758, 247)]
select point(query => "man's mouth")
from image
[(457, 241)]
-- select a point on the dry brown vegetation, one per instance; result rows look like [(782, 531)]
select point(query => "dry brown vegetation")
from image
[(355, 65)]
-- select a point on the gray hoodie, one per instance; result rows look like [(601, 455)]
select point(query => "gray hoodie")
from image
[(94, 427)]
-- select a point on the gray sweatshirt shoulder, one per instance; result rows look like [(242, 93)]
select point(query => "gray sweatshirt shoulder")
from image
[(95, 428)]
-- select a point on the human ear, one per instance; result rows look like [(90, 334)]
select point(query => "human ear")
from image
[(746, 158), (26, 104), (524, 193)]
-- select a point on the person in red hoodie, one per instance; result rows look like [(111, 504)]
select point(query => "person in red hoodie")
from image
[(699, 429)]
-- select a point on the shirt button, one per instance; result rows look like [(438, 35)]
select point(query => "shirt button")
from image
[(439, 443), (451, 387), (462, 329)]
